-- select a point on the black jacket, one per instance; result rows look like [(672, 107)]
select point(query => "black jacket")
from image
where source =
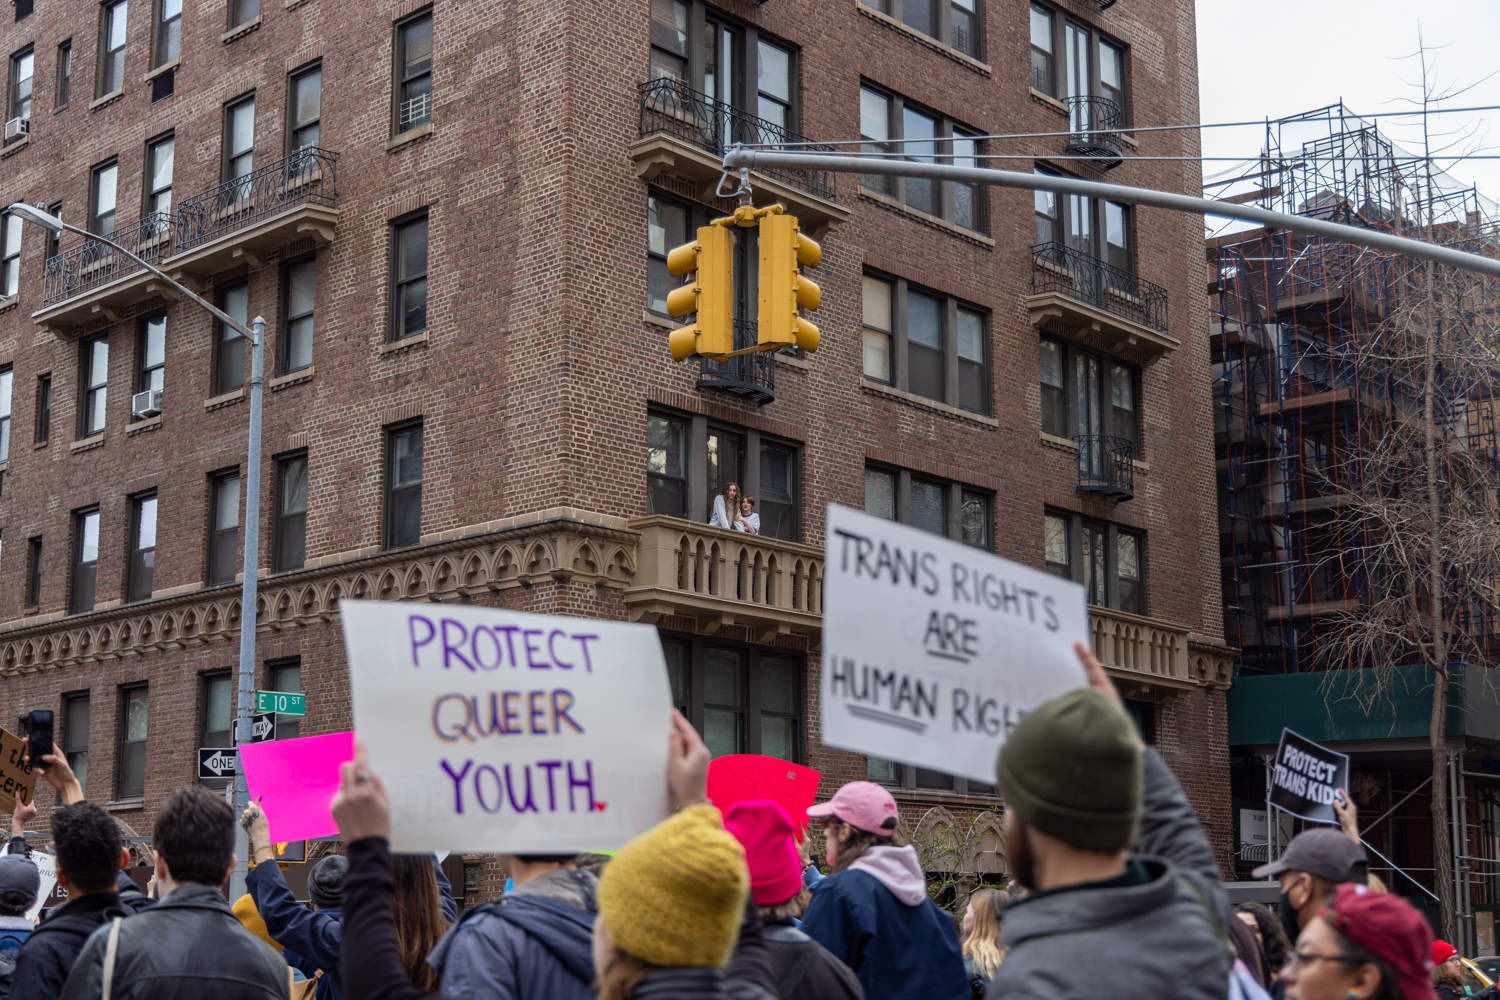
[(44, 960), (190, 945), (805, 970)]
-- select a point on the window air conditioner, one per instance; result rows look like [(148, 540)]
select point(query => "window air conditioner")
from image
[(146, 404), (17, 127)]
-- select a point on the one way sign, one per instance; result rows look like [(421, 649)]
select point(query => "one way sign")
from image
[(215, 762), (262, 728)]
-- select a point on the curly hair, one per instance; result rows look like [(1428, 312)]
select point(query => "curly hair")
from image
[(88, 842)]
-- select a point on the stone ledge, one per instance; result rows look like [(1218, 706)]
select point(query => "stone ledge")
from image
[(792, 361), (163, 68), (886, 201), (1049, 101), (8, 304), (15, 147), (412, 135), (125, 805), (405, 343), (665, 322), (108, 98), (234, 34), (88, 443), (143, 426), (293, 378), (875, 388), (1060, 443), (218, 402)]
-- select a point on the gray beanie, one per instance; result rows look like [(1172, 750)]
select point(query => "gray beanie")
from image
[(326, 882), (19, 883)]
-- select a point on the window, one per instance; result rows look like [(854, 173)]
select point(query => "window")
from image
[(403, 479), (223, 527), (1108, 560), (889, 126), (773, 86), (111, 48), (742, 698), (102, 189), (239, 147), (668, 223), (7, 378), (889, 772), (291, 511), (1117, 236), (23, 9), (243, 12), (780, 494), (168, 44), (34, 572), (10, 264), (216, 715), (93, 354), (142, 548), (158, 185), (297, 299), (409, 279), (939, 506), (666, 475), (305, 109), (964, 22), (229, 343), (956, 22), (64, 71), (85, 560), (286, 676), (54, 236), (944, 342), (1091, 66), (43, 407), (151, 354), (1084, 393), (877, 328), (1048, 215), (21, 67), (669, 40), (413, 72), (130, 755), (75, 735)]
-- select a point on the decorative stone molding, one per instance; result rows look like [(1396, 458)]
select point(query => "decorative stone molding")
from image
[(560, 544)]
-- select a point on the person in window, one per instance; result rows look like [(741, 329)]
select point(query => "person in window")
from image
[(725, 506), (745, 519)]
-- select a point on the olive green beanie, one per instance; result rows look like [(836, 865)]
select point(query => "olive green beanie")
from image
[(1072, 769)]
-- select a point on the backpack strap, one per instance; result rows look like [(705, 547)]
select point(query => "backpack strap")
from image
[(110, 951), (1213, 916), (789, 980)]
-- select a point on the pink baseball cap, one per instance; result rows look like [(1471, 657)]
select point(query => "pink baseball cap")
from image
[(861, 804)]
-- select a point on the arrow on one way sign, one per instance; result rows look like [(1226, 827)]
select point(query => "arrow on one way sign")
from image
[(262, 728), (215, 762)]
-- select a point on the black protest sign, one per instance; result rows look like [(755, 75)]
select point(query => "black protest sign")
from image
[(1305, 778)]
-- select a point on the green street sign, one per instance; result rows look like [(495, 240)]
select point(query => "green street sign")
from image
[(281, 702)]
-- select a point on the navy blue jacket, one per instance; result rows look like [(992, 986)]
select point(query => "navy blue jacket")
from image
[(899, 952), (312, 939), (519, 948)]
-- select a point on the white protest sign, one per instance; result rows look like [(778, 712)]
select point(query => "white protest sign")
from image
[(933, 650), (47, 865), (504, 731)]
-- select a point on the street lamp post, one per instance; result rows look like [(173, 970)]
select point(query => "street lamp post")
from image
[(256, 333)]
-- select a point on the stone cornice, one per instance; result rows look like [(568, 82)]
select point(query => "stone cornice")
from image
[(560, 544)]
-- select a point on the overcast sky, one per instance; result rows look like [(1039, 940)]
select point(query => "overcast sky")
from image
[(1259, 58)]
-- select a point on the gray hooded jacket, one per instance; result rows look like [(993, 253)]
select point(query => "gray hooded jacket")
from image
[(1161, 940)]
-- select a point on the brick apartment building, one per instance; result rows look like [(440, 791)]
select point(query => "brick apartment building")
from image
[(454, 218)]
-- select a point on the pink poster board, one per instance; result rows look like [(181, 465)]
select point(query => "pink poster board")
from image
[(743, 776), (295, 781)]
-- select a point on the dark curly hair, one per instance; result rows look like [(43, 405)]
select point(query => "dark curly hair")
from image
[(88, 842), (1272, 936)]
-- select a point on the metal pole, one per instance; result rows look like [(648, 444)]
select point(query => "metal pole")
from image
[(738, 157), (250, 487)]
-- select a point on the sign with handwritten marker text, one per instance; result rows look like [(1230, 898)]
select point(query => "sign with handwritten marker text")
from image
[(504, 731), (933, 650)]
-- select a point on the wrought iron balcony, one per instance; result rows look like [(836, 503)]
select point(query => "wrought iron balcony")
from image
[(752, 375), (92, 264), (672, 108), (307, 177), (1094, 125), (1084, 277), (1105, 466)]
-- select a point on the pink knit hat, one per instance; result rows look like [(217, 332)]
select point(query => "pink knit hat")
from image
[(765, 830), (861, 804)]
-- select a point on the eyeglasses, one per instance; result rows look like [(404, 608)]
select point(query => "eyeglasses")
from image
[(1297, 959)]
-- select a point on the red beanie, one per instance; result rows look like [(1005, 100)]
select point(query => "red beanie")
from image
[(1442, 951), (1389, 928), (765, 830)]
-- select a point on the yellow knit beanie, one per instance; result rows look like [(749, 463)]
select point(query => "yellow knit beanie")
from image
[(675, 895)]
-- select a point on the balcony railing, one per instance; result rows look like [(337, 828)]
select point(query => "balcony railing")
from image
[(671, 107), (686, 568), (1082, 276), (752, 375), (91, 265), (1105, 466), (415, 112), (1143, 647), (307, 177), (1094, 125)]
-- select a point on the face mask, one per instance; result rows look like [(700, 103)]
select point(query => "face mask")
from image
[(510, 886), (1289, 919)]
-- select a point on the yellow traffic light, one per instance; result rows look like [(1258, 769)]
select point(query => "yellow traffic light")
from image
[(710, 295), (782, 287)]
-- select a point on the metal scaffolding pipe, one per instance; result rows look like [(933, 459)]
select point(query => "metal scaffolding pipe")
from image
[(738, 158)]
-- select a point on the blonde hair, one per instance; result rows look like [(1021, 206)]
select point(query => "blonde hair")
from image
[(983, 941), (1376, 885)]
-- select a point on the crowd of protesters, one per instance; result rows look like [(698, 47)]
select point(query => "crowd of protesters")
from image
[(1114, 891)]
